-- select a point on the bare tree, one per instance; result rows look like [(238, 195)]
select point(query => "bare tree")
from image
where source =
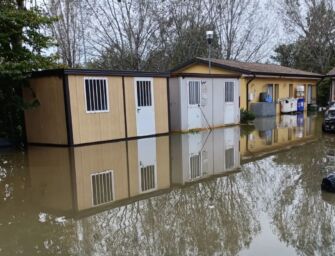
[(243, 29), (313, 24), (124, 31), (69, 30)]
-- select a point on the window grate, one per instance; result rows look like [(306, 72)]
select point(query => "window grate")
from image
[(194, 92), (102, 187), (144, 93), (195, 166), (96, 95), (229, 91), (148, 181), (229, 156)]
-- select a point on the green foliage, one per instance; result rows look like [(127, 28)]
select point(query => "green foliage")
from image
[(21, 51), (315, 51), (246, 116), (323, 91)]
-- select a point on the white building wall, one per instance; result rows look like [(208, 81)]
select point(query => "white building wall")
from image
[(212, 145), (212, 107)]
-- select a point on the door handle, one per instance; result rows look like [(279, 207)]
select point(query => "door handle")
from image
[(138, 109)]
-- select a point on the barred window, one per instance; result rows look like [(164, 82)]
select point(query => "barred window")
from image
[(229, 91), (102, 187), (148, 181), (194, 92), (96, 90), (144, 93), (229, 155), (195, 166)]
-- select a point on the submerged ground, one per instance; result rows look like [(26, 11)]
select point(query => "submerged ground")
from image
[(253, 190)]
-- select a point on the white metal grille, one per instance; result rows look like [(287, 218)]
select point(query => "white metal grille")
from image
[(148, 181), (96, 95), (229, 157), (195, 166), (194, 92), (229, 91), (144, 93), (102, 187)]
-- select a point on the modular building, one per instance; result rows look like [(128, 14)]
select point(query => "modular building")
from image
[(210, 94), (100, 175), (88, 106), (196, 156)]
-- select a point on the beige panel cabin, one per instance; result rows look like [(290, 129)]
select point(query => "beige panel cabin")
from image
[(100, 175), (203, 95), (89, 106)]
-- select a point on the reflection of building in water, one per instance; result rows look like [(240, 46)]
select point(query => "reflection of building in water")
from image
[(76, 179), (199, 155), (275, 133)]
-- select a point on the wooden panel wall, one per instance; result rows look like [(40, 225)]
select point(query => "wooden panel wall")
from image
[(46, 123), (259, 85), (160, 101), (50, 170), (95, 127), (161, 105), (130, 106), (203, 69), (93, 159), (162, 165)]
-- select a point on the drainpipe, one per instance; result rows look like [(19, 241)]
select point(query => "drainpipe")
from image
[(249, 81)]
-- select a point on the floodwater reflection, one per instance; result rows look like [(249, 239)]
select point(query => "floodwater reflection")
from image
[(230, 191)]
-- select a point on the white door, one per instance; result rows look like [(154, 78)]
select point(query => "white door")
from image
[(229, 109), (145, 110), (194, 111), (147, 164)]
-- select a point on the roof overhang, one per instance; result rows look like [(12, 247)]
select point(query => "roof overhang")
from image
[(97, 72), (243, 72)]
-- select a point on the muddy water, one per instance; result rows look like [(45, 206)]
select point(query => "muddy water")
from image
[(253, 190)]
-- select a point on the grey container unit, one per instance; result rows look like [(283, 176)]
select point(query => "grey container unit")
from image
[(200, 103)]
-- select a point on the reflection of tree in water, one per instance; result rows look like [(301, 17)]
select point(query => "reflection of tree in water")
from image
[(302, 219), (212, 216)]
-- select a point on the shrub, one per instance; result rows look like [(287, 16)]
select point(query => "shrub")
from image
[(246, 116)]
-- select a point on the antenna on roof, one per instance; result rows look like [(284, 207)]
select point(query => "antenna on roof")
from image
[(209, 37)]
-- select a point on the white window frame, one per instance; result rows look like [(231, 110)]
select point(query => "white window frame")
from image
[(113, 189), (188, 92), (234, 87), (145, 79), (200, 166), (107, 92)]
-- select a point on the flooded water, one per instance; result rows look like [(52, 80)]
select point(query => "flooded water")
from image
[(250, 190)]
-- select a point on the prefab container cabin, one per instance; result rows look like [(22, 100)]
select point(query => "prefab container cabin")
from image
[(99, 175), (89, 106), (201, 96)]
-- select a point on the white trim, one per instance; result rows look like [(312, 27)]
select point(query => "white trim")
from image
[(234, 88), (107, 94), (188, 92), (200, 166), (113, 190)]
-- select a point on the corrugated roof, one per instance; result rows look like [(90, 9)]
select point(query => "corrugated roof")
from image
[(331, 72), (261, 69)]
